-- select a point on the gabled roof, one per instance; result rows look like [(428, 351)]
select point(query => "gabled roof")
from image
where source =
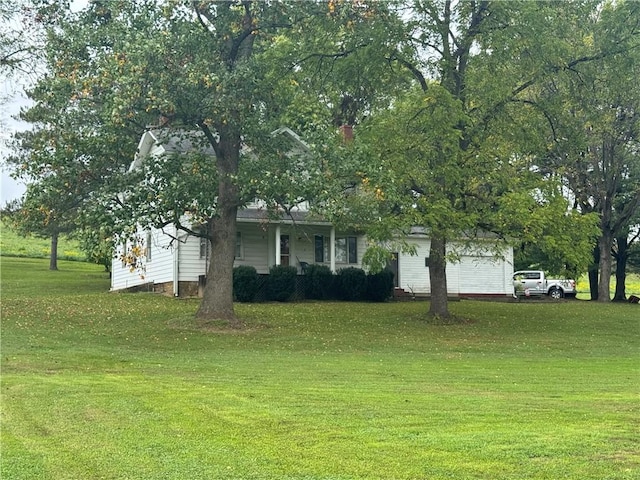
[(168, 140), (286, 131)]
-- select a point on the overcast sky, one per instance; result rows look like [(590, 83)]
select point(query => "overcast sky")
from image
[(9, 188)]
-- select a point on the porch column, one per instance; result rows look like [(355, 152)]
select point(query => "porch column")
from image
[(278, 252), (332, 249)]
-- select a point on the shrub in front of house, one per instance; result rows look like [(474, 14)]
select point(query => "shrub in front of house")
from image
[(351, 284), (281, 283), (245, 283), (379, 286), (319, 282)]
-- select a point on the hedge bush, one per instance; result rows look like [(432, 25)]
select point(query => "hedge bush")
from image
[(319, 282), (245, 283), (351, 284), (380, 286), (281, 282)]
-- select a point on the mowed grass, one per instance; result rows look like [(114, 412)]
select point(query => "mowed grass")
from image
[(632, 286), (97, 385), (14, 245)]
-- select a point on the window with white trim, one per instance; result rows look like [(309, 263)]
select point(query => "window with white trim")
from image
[(346, 249), (205, 247), (239, 253)]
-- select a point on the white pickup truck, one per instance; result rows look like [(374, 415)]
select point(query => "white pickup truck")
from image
[(534, 282)]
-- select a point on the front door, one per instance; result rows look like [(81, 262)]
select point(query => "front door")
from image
[(284, 250)]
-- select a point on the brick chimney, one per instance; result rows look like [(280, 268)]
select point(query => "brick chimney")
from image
[(347, 133)]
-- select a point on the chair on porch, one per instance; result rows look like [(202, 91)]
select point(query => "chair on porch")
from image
[(303, 266)]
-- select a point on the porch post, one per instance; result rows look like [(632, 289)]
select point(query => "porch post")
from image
[(278, 252), (332, 248)]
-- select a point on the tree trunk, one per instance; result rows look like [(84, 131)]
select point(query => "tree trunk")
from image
[(604, 283), (593, 273), (53, 258), (217, 298), (622, 255), (439, 306)]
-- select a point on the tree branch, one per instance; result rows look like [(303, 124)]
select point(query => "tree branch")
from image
[(210, 137), (413, 69)]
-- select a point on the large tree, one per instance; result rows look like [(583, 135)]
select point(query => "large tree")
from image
[(463, 152), (46, 210), (220, 72), (594, 110), (71, 158)]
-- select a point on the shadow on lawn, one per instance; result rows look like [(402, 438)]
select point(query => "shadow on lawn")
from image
[(191, 324)]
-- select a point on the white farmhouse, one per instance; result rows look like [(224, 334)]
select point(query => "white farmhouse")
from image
[(176, 263)]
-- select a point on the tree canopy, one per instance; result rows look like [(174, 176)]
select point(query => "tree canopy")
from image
[(469, 117), (463, 150), (593, 112), (229, 71)]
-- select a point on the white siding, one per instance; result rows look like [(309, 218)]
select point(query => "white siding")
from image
[(483, 272), (191, 265), (302, 245), (477, 272), (478, 276), (158, 269), (412, 273), (255, 250), (121, 276)]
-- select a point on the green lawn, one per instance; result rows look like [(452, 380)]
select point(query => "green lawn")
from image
[(14, 245), (98, 385)]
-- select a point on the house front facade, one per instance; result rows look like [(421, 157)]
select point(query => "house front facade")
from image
[(176, 263), (173, 262)]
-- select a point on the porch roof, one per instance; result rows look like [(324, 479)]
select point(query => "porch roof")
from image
[(251, 215)]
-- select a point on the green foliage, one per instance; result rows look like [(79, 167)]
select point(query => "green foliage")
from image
[(229, 72), (551, 237), (281, 282), (463, 152), (245, 283), (376, 257), (351, 284), (319, 282), (593, 108), (45, 210), (378, 254), (467, 150), (379, 286), (97, 245)]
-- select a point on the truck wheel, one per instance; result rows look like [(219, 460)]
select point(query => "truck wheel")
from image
[(556, 293)]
